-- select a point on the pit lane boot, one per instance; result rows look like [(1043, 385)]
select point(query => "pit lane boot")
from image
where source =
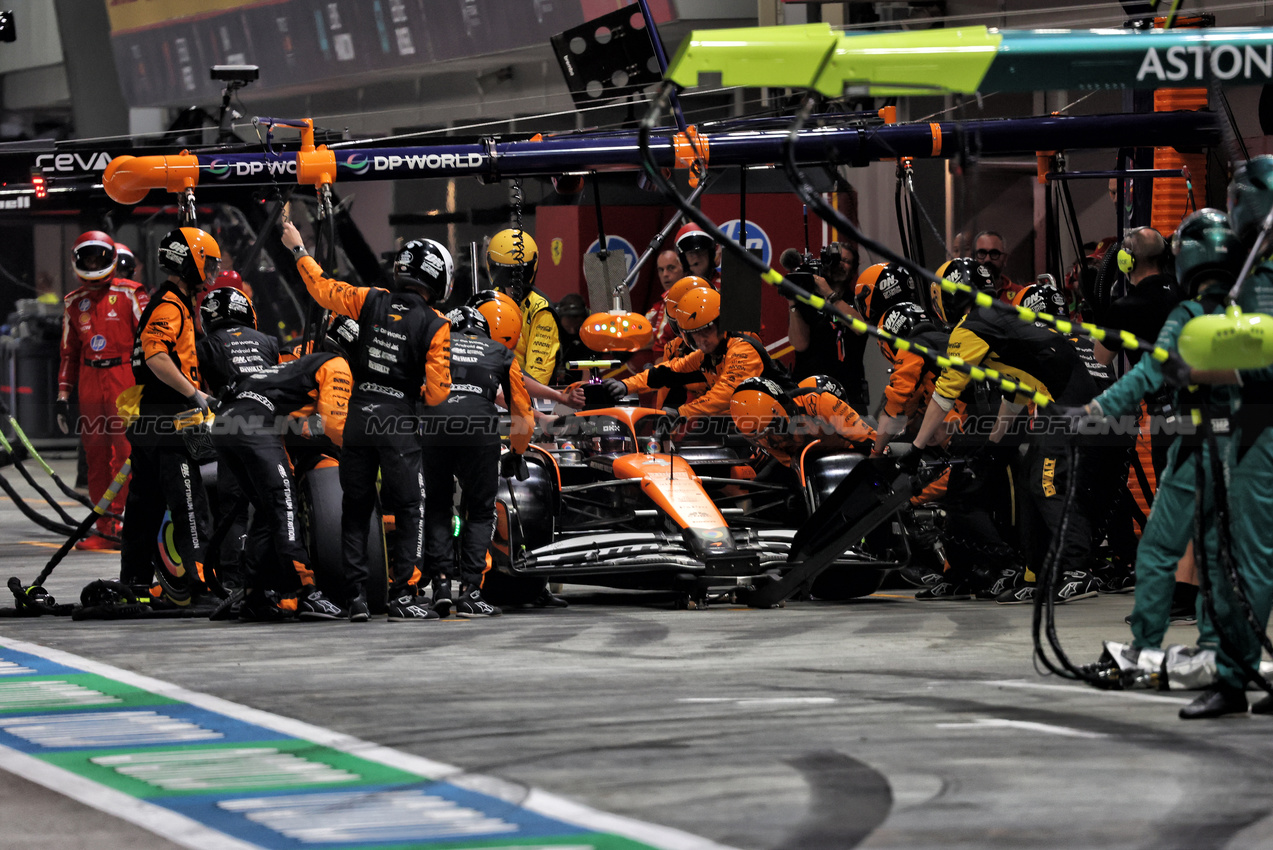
[(358, 610), (1264, 706), (1216, 701), (471, 604), (442, 597), (547, 599), (313, 605), (410, 608)]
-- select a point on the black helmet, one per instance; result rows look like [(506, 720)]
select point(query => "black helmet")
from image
[(948, 307), (1043, 298), (226, 305), (342, 335), (1250, 197), (425, 264), (468, 320), (125, 261), (1204, 245), (191, 255), (905, 320)]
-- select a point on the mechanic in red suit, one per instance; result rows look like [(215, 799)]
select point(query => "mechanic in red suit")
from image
[(98, 327)]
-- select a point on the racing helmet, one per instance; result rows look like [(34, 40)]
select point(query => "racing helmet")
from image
[(903, 319), (1204, 245), (948, 307), (425, 264), (759, 405), (881, 286), (1042, 298), (191, 255), (503, 318), (696, 309), (226, 305), (512, 257), (94, 256), (468, 320), (1250, 196), (691, 237), (342, 335), (676, 291), (125, 261), (229, 278)]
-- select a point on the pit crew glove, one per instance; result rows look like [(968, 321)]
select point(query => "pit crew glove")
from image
[(1176, 372), (200, 401), (63, 408), (665, 377), (616, 388), (513, 465), (909, 462)]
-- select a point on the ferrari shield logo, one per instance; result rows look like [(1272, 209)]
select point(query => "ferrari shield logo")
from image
[(112, 299), (556, 247)]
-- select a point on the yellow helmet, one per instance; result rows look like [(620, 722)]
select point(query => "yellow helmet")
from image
[(511, 260)]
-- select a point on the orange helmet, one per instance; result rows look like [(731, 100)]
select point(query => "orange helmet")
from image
[(191, 255), (501, 314), (677, 290), (696, 309), (881, 286), (759, 405)]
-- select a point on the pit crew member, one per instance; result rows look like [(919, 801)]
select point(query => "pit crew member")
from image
[(166, 369), (99, 323), (404, 353), (725, 359), (250, 446), (461, 441)]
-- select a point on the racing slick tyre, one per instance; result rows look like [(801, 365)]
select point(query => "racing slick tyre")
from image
[(837, 585), (320, 497), (510, 591)]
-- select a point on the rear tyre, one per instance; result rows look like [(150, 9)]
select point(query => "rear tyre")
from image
[(837, 584), (320, 510)]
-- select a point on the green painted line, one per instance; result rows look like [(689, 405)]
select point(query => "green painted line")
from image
[(256, 766), (28, 694), (213, 775)]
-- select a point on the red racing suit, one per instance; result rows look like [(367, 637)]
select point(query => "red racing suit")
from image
[(99, 324)]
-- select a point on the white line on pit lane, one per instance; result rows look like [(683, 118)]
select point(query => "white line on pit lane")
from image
[(1082, 690), (758, 701), (189, 833), (1004, 723)]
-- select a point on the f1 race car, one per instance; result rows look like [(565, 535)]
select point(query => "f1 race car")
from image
[(614, 500)]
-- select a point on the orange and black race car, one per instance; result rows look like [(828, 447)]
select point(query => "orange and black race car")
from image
[(617, 499)]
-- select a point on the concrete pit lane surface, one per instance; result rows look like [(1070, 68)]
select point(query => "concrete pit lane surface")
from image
[(884, 722)]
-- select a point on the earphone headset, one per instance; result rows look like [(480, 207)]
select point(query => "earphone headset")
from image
[(1126, 260)]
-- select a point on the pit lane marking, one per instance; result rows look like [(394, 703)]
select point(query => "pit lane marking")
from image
[(1005, 723), (367, 796), (747, 702), (1082, 690)]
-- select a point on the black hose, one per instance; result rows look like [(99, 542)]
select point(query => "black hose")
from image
[(1103, 288), (31, 514)]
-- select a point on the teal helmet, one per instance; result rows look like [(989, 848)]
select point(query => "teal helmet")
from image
[(1250, 197), (1206, 248)]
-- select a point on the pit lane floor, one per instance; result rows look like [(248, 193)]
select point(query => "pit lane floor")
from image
[(880, 723)]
